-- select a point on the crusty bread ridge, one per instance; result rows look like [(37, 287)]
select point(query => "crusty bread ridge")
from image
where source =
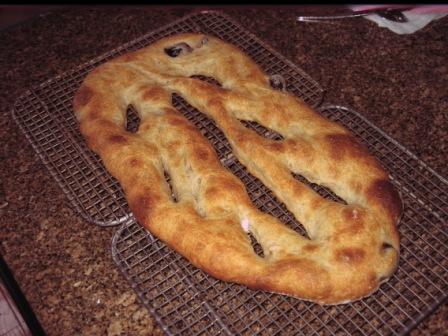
[(351, 247)]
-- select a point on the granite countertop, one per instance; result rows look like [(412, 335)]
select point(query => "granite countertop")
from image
[(64, 265)]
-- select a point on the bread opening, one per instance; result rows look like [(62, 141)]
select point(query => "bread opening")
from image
[(321, 190), (132, 120), (209, 80), (262, 130), (255, 245), (172, 191)]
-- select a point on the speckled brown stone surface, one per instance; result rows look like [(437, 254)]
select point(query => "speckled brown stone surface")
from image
[(64, 264)]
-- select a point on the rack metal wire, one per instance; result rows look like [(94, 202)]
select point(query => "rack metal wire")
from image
[(183, 299)]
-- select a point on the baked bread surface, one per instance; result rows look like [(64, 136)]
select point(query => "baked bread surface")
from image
[(205, 213)]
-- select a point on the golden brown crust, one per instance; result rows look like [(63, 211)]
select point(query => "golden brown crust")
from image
[(204, 212)]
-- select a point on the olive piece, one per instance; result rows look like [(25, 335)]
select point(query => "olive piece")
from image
[(177, 49), (277, 82)]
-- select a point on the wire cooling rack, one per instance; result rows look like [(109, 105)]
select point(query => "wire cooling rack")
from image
[(183, 299), (45, 115)]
